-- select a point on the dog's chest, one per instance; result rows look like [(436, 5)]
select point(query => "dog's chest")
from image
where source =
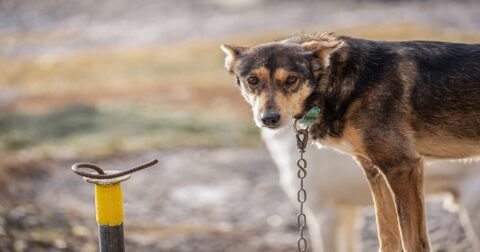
[(338, 144), (350, 141)]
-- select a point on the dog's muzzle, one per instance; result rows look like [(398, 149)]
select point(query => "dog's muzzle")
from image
[(270, 119)]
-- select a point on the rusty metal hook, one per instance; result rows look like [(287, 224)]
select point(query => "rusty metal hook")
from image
[(295, 126), (301, 135), (103, 175)]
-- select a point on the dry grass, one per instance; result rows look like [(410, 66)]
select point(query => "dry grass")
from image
[(159, 75), (156, 97)]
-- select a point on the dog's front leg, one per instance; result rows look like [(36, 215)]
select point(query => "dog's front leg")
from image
[(405, 179), (387, 225)]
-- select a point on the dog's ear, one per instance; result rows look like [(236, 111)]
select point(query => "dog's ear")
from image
[(321, 51), (232, 53)]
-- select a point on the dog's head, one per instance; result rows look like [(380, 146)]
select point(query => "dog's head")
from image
[(278, 79)]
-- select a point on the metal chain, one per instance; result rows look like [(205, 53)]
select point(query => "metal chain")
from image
[(302, 140)]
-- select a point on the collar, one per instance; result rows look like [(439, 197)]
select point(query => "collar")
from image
[(310, 117)]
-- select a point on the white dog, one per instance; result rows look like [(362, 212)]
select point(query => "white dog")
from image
[(337, 188)]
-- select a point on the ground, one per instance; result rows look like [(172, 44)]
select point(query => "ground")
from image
[(193, 200)]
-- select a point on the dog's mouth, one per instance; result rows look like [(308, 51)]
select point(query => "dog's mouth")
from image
[(272, 126)]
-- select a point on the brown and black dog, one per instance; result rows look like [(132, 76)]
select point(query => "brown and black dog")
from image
[(389, 104)]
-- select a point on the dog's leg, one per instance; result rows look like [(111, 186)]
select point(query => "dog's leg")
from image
[(471, 224), (347, 237), (405, 179), (387, 225), (470, 211), (322, 226)]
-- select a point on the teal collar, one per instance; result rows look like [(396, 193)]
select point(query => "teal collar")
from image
[(310, 117)]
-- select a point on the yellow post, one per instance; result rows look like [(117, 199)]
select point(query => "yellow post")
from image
[(109, 212), (109, 202)]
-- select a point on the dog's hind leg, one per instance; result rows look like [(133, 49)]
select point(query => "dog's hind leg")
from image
[(387, 225), (470, 211), (405, 179)]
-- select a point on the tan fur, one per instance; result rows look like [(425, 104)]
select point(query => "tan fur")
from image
[(351, 136), (261, 73), (318, 37), (387, 224), (262, 98), (297, 98), (283, 103), (281, 74), (448, 147)]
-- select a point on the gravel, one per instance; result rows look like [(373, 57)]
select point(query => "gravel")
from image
[(193, 200)]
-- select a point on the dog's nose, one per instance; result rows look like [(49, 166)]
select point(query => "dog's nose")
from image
[(270, 119)]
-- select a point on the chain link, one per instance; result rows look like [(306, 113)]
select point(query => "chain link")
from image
[(302, 140)]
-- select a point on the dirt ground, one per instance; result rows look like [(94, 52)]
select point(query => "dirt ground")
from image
[(193, 200)]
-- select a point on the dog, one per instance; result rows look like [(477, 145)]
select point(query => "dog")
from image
[(391, 105), (333, 210)]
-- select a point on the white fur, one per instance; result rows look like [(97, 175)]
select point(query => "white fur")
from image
[(337, 188), (343, 147), (230, 56)]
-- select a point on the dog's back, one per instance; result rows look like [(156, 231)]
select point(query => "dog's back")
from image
[(428, 88)]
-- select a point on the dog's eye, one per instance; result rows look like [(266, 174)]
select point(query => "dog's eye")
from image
[(252, 80), (291, 79)]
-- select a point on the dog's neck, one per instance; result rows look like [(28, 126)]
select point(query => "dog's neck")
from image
[(338, 88)]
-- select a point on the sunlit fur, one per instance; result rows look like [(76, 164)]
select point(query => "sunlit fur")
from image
[(391, 105)]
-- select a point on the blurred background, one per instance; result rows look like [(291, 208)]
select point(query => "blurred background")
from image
[(121, 82)]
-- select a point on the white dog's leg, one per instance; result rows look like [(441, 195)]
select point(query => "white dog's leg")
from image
[(347, 233), (470, 212), (471, 224), (322, 229)]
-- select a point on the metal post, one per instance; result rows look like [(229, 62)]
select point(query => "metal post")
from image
[(109, 212), (109, 203)]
